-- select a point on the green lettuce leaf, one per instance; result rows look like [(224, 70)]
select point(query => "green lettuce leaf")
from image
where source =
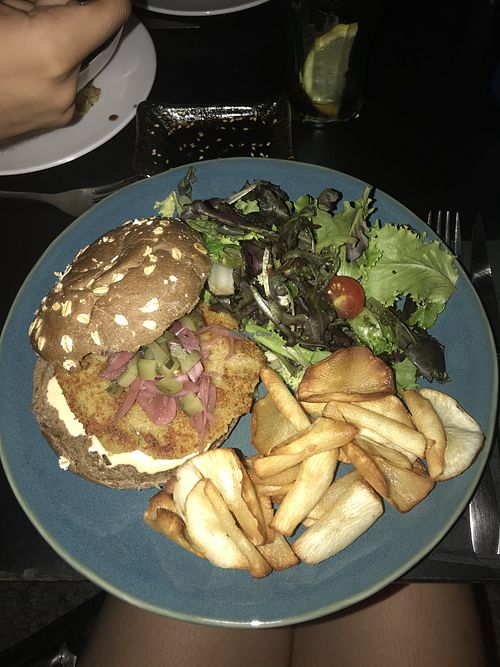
[(398, 262), (347, 227), (375, 333), (169, 207), (386, 333), (405, 374), (290, 361)]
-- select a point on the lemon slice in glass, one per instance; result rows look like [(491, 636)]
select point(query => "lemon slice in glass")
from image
[(325, 68)]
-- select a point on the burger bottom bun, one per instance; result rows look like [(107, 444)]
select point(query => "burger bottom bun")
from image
[(75, 449)]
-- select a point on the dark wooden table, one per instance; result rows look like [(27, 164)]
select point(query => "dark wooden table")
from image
[(428, 134)]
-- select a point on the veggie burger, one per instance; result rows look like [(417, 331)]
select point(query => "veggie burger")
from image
[(134, 375)]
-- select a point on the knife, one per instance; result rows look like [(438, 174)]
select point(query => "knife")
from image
[(483, 508), (167, 24)]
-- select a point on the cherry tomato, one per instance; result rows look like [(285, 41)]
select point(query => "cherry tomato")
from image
[(347, 296)]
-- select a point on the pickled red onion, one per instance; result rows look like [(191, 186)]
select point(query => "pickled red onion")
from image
[(159, 407), (117, 363)]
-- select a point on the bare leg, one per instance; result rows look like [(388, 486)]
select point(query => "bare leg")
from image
[(417, 625), (129, 637)]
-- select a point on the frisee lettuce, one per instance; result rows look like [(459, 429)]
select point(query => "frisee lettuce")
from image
[(399, 263)]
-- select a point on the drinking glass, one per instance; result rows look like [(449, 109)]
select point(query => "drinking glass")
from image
[(330, 41)]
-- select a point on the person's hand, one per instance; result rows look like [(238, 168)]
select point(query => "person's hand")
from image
[(42, 44)]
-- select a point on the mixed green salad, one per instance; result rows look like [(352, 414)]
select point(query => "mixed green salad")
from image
[(306, 277)]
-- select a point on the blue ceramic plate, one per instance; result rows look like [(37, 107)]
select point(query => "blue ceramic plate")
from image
[(100, 531)]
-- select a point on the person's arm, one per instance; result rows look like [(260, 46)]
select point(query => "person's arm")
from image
[(41, 47)]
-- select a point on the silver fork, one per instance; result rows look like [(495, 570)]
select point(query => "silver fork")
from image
[(73, 202), (484, 518), (449, 231)]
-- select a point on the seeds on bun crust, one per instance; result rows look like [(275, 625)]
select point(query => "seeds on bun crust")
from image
[(122, 291)]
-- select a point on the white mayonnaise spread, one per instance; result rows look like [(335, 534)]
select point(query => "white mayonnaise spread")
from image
[(142, 462), (64, 463)]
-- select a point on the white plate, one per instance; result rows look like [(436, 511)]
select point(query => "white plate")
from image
[(197, 7), (124, 82), (90, 69)]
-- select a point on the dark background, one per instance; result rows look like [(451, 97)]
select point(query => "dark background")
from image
[(428, 133)]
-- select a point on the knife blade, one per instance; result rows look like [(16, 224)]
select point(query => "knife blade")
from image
[(154, 23), (481, 275), (483, 508)]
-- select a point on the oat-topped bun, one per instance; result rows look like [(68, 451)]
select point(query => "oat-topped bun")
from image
[(121, 291)]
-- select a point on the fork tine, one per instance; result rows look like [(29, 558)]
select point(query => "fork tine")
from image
[(102, 191), (447, 231), (434, 224), (439, 224), (457, 241), (451, 235)]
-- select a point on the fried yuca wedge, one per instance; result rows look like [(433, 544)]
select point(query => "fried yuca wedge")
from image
[(186, 476), (464, 437), (349, 374), (392, 455), (321, 435), (367, 467), (257, 564), (207, 533), (269, 426), (228, 474), (407, 488), (161, 500), (284, 399), (402, 486), (313, 409), (278, 553), (315, 476), (429, 423), (161, 515), (390, 406), (285, 477), (349, 517), (391, 431), (271, 466), (275, 491), (276, 485), (331, 495)]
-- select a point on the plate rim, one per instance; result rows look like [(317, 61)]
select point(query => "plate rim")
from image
[(239, 6), (347, 601)]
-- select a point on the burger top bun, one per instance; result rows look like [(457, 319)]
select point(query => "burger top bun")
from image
[(122, 291)]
